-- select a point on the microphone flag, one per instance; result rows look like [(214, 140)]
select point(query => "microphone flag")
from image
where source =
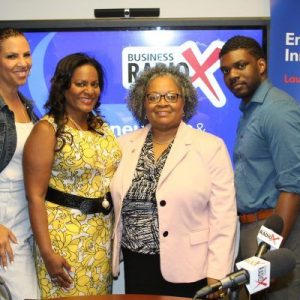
[(259, 273), (270, 237)]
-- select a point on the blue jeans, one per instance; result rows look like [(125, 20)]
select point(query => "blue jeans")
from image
[(20, 276)]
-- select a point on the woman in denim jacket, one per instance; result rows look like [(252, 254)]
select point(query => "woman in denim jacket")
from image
[(16, 121)]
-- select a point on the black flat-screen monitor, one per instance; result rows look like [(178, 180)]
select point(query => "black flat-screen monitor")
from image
[(127, 46)]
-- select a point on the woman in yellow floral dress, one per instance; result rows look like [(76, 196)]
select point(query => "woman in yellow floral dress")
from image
[(69, 159)]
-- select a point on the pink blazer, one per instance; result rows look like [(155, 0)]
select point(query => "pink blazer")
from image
[(200, 212)]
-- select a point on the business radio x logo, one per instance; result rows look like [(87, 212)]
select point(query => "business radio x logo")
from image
[(274, 238), (204, 65), (262, 281), (199, 66), (270, 237)]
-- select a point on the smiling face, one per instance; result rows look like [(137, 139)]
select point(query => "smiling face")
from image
[(15, 61), (84, 91), (164, 115), (243, 73)]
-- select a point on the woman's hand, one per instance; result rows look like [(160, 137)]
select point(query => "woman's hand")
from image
[(216, 295), (6, 236), (58, 269)]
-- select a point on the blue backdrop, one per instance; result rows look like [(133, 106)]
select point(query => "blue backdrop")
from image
[(124, 53)]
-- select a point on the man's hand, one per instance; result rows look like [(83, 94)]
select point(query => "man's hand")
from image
[(216, 295)]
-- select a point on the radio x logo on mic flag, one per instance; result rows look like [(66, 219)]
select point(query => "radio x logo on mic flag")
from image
[(270, 237)]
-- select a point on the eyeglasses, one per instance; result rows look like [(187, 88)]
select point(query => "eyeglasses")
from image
[(169, 97)]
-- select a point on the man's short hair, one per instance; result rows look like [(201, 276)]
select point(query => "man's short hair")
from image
[(243, 42)]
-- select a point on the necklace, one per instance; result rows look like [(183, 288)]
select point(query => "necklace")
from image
[(77, 126), (25, 114), (162, 142), (21, 108)]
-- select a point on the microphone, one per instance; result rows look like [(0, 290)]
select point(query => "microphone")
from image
[(272, 265), (268, 237), (255, 272)]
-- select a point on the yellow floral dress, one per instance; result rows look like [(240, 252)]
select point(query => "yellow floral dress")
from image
[(83, 168)]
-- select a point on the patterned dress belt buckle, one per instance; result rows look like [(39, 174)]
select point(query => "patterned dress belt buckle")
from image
[(85, 205), (103, 205), (257, 216)]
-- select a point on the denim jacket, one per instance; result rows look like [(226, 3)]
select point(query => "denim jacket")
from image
[(8, 133)]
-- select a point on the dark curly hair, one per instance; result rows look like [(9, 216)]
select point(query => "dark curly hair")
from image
[(6, 33), (61, 81), (137, 93), (243, 42)]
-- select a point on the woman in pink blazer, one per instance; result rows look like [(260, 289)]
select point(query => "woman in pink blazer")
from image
[(173, 193)]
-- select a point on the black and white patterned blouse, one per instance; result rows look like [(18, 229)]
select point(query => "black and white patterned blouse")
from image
[(139, 211)]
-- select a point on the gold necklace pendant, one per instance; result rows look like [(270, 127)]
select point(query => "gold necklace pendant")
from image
[(77, 126), (162, 142)]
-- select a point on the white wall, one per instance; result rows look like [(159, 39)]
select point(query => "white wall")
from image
[(78, 9)]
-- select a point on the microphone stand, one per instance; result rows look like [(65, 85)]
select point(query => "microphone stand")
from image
[(234, 294)]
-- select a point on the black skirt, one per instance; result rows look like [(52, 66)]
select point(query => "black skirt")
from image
[(143, 276)]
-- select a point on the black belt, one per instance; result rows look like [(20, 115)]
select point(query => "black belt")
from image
[(85, 205)]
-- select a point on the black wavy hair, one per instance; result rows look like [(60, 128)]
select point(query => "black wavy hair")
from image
[(6, 33), (61, 81)]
